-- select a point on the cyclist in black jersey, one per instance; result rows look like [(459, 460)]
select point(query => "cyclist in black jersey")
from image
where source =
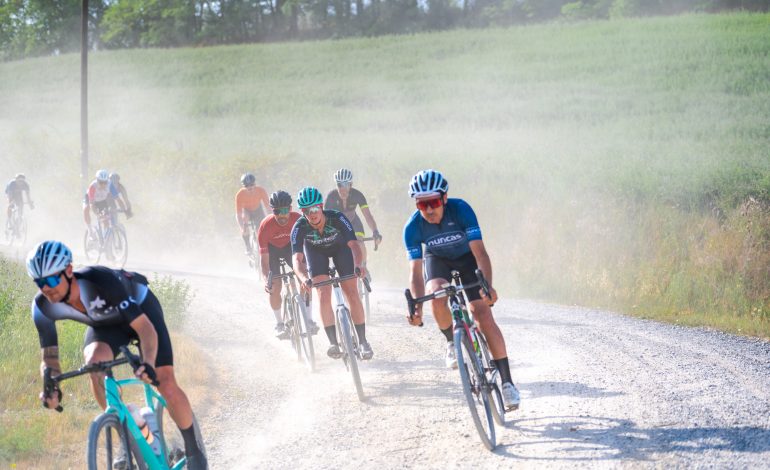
[(345, 199), (316, 237), (118, 307), (14, 191)]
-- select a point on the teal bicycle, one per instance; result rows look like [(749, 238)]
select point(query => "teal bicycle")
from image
[(114, 435)]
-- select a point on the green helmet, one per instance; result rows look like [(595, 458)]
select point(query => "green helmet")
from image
[(309, 196)]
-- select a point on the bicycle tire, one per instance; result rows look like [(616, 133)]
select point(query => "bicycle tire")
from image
[(493, 379), (308, 352), (119, 242), (102, 458), (476, 394), (365, 301), (22, 231), (171, 440), (91, 247), (257, 258), (350, 353), (293, 325)]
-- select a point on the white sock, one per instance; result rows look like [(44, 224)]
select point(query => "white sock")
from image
[(277, 313)]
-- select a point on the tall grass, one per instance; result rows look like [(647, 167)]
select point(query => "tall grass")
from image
[(594, 153), (31, 437)]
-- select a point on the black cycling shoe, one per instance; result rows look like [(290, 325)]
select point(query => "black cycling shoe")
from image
[(197, 461), (334, 351), (366, 351)]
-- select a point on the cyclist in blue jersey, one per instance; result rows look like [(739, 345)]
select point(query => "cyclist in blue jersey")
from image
[(317, 236), (452, 237)]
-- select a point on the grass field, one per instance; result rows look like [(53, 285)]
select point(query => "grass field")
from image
[(621, 164)]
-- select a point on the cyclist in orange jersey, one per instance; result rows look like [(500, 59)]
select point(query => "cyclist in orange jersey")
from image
[(250, 202)]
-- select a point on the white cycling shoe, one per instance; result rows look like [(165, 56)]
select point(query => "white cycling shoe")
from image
[(450, 359), (511, 397)]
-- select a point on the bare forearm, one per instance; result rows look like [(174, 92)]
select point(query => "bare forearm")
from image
[(50, 360)]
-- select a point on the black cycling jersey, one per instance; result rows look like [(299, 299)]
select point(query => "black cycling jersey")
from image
[(111, 297), (355, 199), (318, 248), (15, 189)]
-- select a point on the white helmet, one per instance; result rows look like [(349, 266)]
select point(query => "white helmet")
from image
[(343, 175), (47, 258), (102, 175), (428, 183)]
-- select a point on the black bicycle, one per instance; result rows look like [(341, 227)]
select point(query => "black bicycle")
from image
[(481, 380), (347, 337), (296, 318), (16, 226)]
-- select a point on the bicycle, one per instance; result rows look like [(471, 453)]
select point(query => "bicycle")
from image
[(347, 337), (255, 260), (296, 319), (108, 238), (16, 227), (480, 378), (117, 421), (362, 291)]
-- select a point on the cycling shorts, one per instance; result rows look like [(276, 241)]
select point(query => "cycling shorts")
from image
[(121, 335), (255, 216), (274, 257), (318, 261), (441, 268), (358, 227)]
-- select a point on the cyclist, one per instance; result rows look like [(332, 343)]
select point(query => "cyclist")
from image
[(101, 197), (317, 236), (345, 199), (273, 237), (14, 191), (452, 238), (115, 180), (118, 307), (249, 203)]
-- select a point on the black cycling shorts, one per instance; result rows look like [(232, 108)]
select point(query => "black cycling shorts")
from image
[(120, 335), (441, 268), (274, 256), (318, 261), (358, 227)]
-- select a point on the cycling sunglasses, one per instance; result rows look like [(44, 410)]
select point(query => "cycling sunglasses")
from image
[(51, 281), (281, 210), (312, 210), (344, 185), (434, 203)]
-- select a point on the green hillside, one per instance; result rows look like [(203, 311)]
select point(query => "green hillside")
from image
[(621, 164)]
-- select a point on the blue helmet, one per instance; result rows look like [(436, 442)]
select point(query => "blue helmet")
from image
[(48, 258)]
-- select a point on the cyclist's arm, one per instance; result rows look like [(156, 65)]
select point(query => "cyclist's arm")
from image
[(369, 219), (299, 266), (265, 261), (417, 286), (358, 256), (265, 202), (148, 338), (50, 359), (485, 264)]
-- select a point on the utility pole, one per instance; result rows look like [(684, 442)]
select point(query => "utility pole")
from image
[(84, 96)]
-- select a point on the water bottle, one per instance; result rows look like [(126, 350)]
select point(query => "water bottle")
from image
[(154, 432)]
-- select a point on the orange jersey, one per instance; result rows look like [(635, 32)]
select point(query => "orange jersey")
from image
[(249, 199)]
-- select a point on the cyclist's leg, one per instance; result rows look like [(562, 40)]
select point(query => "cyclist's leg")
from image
[(101, 344), (343, 260), (437, 272), (318, 269), (274, 263)]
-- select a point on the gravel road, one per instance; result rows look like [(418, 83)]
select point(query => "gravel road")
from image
[(598, 390)]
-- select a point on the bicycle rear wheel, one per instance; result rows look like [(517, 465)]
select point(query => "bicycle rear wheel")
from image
[(306, 339), (350, 357), (493, 379), (171, 439), (107, 440), (475, 388)]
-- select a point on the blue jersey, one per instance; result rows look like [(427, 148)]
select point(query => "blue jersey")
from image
[(449, 238)]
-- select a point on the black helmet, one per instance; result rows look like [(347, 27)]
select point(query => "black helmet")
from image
[(248, 179), (280, 199), (115, 178)]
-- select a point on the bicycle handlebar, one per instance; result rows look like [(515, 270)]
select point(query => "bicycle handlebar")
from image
[(448, 290), (370, 239)]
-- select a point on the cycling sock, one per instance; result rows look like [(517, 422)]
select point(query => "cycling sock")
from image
[(246, 242), (504, 368), (449, 334), (361, 330), (190, 441), (331, 333), (277, 313)]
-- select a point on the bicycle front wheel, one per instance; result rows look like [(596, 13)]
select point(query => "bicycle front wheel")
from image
[(475, 388), (306, 339), (171, 440), (118, 246), (108, 443), (365, 301), (292, 324), (350, 358)]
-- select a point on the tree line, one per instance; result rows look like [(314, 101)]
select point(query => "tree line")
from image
[(42, 27)]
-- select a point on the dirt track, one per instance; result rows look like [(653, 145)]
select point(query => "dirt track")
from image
[(598, 390)]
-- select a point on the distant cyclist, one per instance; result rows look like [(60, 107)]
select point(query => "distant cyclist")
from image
[(249, 203), (14, 191), (346, 199), (274, 236), (316, 237), (115, 180), (450, 232), (117, 306), (101, 197)]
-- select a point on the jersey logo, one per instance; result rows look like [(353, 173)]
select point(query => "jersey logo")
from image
[(97, 303), (124, 305), (445, 240)]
